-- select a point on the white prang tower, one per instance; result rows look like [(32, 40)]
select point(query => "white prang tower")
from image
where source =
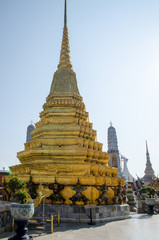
[(126, 173), (113, 150)]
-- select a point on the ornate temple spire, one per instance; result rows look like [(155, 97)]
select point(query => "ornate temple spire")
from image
[(113, 150), (30, 128), (64, 79), (65, 60), (147, 153), (149, 172), (112, 139)]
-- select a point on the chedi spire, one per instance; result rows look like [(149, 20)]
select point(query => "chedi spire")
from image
[(64, 80), (65, 60), (149, 172)]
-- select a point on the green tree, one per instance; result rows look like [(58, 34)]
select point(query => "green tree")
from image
[(150, 191), (16, 187)]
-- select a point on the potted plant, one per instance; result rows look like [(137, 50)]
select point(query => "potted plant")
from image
[(20, 210), (149, 193)]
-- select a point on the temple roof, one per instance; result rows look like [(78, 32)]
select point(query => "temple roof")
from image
[(155, 183)]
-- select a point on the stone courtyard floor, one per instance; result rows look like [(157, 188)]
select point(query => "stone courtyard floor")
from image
[(138, 227)]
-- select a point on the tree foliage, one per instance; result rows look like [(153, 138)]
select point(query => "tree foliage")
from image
[(16, 187), (150, 191)]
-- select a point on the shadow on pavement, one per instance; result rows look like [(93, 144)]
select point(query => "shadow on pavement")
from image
[(142, 216), (63, 228)]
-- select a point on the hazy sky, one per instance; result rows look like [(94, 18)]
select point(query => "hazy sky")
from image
[(115, 54)]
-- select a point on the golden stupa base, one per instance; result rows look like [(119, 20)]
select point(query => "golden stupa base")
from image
[(71, 190)]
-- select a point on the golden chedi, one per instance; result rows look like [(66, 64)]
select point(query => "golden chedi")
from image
[(64, 151)]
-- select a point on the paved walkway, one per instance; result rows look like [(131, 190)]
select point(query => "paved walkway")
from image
[(139, 227)]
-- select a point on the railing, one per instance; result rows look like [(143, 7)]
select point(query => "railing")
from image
[(39, 220)]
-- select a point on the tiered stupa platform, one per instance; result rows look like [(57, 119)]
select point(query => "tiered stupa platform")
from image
[(64, 155)]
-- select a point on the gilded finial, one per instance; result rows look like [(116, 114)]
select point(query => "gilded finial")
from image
[(65, 18), (31, 122), (65, 60), (146, 147)]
